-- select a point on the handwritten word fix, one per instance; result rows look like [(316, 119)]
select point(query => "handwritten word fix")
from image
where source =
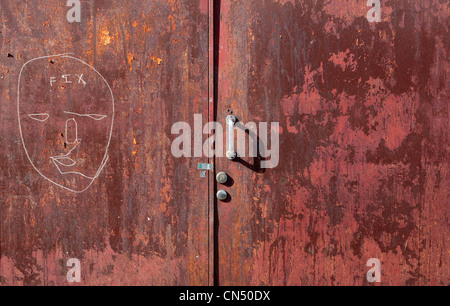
[(68, 79)]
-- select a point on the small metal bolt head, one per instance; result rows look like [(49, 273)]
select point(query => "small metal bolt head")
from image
[(231, 155), (222, 195), (222, 178), (231, 119)]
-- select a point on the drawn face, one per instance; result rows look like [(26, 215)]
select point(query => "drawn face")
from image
[(66, 113)]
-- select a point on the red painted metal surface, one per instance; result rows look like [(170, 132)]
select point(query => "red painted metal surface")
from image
[(363, 171), (363, 113), (145, 219)]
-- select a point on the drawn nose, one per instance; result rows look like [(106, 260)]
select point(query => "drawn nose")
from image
[(71, 131)]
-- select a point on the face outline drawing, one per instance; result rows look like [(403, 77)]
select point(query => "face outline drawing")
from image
[(65, 109)]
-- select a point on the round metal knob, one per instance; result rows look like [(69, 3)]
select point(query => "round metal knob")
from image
[(231, 155), (222, 178), (222, 195)]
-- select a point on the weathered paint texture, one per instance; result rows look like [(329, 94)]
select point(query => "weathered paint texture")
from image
[(144, 221), (363, 173)]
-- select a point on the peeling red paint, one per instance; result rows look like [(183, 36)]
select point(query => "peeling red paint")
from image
[(363, 172), (362, 168)]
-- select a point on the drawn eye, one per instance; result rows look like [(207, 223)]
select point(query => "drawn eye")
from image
[(39, 117), (96, 117)]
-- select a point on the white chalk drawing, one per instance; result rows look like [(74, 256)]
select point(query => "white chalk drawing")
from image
[(75, 125), (65, 157), (96, 117), (39, 117)]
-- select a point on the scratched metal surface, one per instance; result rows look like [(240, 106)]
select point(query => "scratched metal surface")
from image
[(363, 173), (144, 220)]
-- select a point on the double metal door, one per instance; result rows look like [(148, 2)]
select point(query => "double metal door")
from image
[(329, 147)]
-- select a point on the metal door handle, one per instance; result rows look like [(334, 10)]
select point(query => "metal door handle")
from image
[(231, 153)]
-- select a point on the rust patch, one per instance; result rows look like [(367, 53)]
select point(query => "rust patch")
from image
[(364, 113), (129, 227)]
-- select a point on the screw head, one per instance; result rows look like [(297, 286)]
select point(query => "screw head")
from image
[(231, 119), (231, 155), (222, 195), (222, 178)]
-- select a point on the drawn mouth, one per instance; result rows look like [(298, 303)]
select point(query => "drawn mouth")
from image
[(66, 165), (63, 161)]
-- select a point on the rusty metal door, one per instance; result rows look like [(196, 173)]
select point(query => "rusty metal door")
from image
[(359, 109), (88, 100), (363, 155)]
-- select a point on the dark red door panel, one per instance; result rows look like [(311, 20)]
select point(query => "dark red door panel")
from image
[(363, 114), (86, 165)]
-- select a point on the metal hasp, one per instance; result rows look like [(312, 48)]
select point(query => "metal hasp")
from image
[(222, 178), (222, 195), (231, 153)]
